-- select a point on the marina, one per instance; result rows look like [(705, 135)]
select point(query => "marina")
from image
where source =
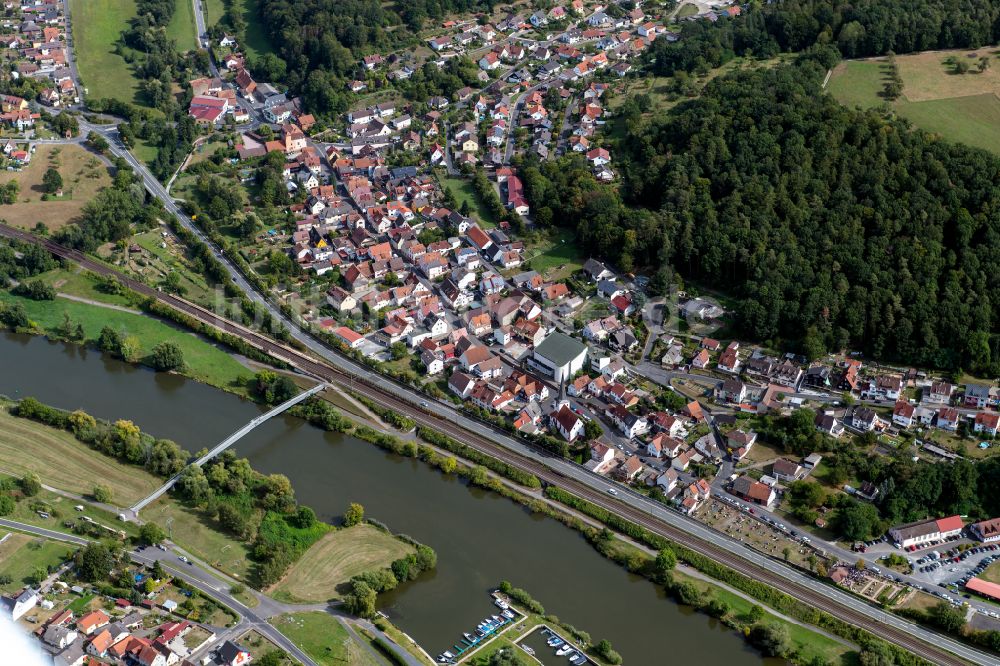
[(549, 647), (483, 633)]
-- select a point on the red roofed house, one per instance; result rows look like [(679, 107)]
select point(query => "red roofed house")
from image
[(348, 337), (515, 196), (987, 422), (986, 531), (985, 588), (902, 413), (568, 423)]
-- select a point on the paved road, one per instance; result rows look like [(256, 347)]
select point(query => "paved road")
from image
[(199, 20), (447, 413)]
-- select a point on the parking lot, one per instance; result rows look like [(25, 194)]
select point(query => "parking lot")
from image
[(943, 567)]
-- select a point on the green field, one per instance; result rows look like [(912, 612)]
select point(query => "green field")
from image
[(214, 9), (687, 9), (205, 362), (324, 638), (256, 43), (961, 108), (991, 573), (555, 256), (464, 192), (62, 461), (973, 120), (79, 282), (97, 26), (202, 537), (182, 28), (858, 83), (336, 558), (21, 554)]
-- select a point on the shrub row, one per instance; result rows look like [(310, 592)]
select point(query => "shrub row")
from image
[(440, 440)]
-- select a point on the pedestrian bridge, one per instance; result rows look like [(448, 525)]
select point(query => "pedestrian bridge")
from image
[(223, 445)]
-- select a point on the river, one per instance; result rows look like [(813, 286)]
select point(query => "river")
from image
[(480, 537)]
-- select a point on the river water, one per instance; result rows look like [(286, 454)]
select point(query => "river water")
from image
[(480, 538)]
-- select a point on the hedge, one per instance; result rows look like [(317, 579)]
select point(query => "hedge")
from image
[(516, 475)]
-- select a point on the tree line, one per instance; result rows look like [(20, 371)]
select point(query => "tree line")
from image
[(857, 28)]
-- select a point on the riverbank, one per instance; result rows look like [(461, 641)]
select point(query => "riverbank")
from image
[(475, 529), (79, 320)]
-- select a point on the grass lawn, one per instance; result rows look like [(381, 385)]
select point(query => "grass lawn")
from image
[(214, 9), (61, 461), (960, 107), (324, 638), (257, 43), (63, 509), (463, 191), (82, 173), (204, 362), (972, 120), (858, 83), (144, 151), (21, 554), (97, 26), (181, 28), (687, 9), (337, 557), (80, 603), (991, 573), (76, 281), (201, 536), (556, 256)]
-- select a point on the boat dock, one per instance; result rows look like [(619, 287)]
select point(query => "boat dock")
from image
[(562, 648), (483, 633)]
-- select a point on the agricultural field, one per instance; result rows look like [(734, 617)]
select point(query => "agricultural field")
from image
[(63, 462), (204, 361), (21, 555), (337, 557), (97, 26), (83, 175), (324, 638), (960, 107)]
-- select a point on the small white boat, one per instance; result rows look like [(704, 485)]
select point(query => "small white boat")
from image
[(500, 603), (528, 649), (555, 642), (508, 614), (564, 650)]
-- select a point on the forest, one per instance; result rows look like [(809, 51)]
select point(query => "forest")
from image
[(833, 227), (858, 28)]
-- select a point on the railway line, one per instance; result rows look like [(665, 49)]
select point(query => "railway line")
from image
[(893, 629)]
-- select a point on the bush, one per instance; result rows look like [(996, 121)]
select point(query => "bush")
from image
[(167, 356), (36, 290)]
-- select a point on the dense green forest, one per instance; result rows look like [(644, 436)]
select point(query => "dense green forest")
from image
[(832, 226), (856, 27)]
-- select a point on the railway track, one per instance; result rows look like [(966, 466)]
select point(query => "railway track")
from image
[(546, 474)]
